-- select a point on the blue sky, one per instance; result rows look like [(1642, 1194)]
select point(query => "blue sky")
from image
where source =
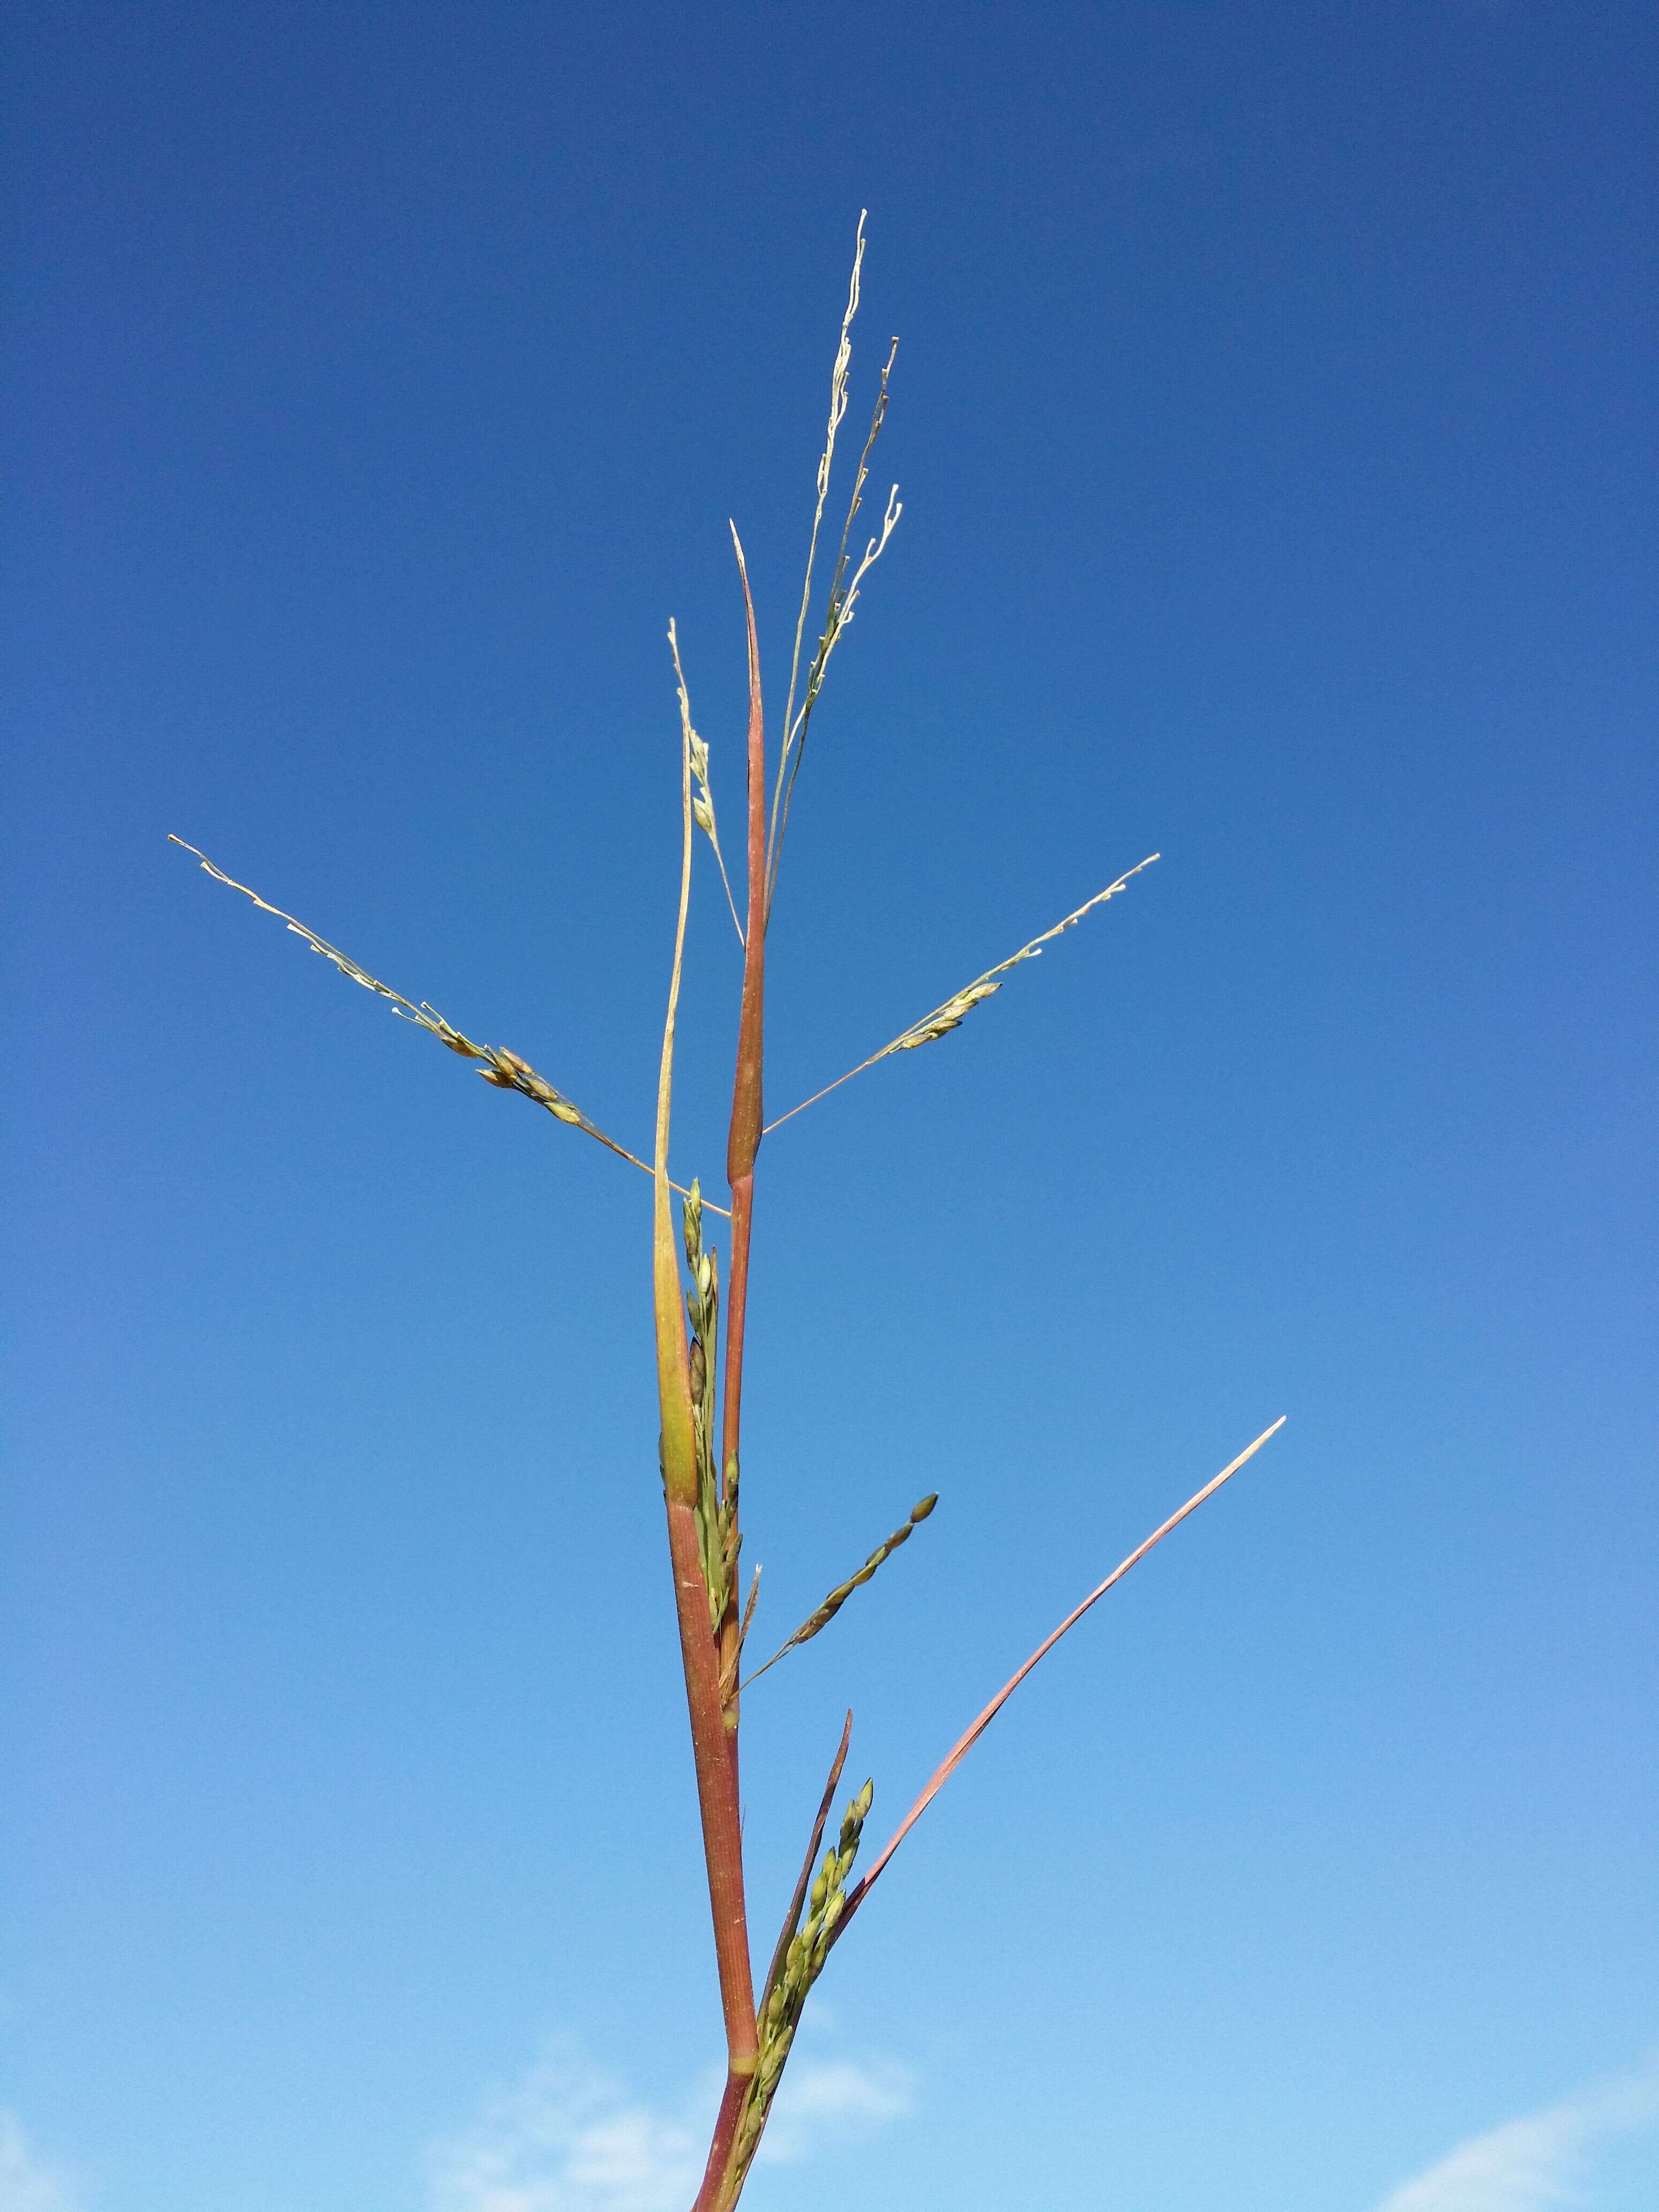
[(1273, 424)]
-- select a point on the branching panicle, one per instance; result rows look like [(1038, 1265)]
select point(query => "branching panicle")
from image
[(504, 1069), (954, 1011), (826, 460), (837, 615)]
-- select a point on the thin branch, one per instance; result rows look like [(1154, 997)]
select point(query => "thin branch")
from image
[(792, 1918), (702, 804), (824, 1614), (965, 1743), (861, 475), (954, 1011), (504, 1069)]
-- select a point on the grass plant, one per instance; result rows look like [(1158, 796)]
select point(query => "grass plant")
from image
[(700, 1377)]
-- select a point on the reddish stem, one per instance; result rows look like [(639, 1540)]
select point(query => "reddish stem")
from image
[(717, 1790), (712, 2196), (747, 1110), (717, 1779), (743, 1144)]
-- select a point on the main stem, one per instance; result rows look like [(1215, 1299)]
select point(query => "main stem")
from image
[(716, 1769), (742, 1145), (748, 1111)]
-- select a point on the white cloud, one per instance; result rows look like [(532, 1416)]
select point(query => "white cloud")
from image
[(837, 2100), (568, 2138), (1532, 2163), (27, 2186)]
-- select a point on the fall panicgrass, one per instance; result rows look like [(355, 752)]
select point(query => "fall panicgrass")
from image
[(700, 1369)]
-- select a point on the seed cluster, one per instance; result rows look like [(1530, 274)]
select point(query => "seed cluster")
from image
[(800, 1965), (838, 1596), (951, 1015), (508, 1072), (824, 1614), (718, 1538)]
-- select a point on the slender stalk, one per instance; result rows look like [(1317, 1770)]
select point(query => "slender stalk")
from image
[(792, 1918), (743, 1143), (748, 1111), (965, 1743), (723, 2181), (717, 1790)]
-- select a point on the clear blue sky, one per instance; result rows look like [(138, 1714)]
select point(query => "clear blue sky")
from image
[(1274, 425)]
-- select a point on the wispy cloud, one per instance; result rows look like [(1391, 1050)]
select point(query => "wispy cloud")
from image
[(831, 2100), (566, 2138), (1536, 2162), (569, 2138), (26, 2185)]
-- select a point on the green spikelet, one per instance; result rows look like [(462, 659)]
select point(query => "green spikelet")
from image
[(832, 1605), (803, 1962), (716, 1525)]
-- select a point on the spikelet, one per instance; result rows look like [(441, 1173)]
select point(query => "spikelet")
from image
[(950, 1016), (824, 1614), (717, 1539), (800, 1964)]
